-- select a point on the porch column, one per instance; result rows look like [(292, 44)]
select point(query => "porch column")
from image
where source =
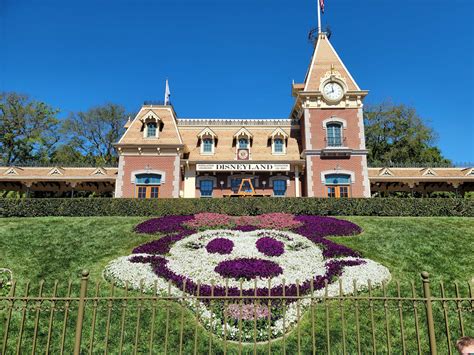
[(190, 181), (297, 181)]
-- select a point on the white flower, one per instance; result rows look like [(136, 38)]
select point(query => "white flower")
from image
[(301, 263)]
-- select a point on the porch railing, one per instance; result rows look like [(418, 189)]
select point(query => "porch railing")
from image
[(79, 318)]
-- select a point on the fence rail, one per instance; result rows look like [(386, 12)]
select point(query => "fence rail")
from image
[(80, 317)]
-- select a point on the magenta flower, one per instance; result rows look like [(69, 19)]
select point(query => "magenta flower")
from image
[(220, 246), (248, 268), (270, 246)]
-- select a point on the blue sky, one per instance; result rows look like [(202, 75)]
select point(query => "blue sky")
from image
[(237, 58)]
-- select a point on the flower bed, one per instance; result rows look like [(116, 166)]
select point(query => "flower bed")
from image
[(290, 257)]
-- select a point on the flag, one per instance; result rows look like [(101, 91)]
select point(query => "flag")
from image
[(167, 94), (321, 5)]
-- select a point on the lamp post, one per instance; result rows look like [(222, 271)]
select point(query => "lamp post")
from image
[(222, 184), (264, 183)]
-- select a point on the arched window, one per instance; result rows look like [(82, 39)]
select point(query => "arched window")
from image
[(338, 185), (148, 185), (151, 129), (334, 134)]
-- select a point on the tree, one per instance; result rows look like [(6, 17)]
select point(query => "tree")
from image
[(95, 131), (396, 134), (27, 129)]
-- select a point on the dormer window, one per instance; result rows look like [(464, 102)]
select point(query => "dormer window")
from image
[(152, 125), (208, 145), (278, 141), (151, 129), (278, 145), (207, 139), (243, 143)]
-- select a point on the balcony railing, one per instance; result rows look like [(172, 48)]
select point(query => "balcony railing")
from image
[(335, 141)]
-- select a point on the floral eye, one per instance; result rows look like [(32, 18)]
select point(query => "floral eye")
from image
[(220, 246), (270, 246)]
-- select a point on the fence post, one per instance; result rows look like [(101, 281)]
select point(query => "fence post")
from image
[(80, 311), (429, 312)]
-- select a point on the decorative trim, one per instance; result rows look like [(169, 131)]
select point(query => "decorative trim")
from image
[(11, 171), (243, 132), (334, 119), (149, 171), (365, 177), (120, 174), (177, 176), (344, 172), (386, 172), (309, 176), (237, 122), (429, 172)]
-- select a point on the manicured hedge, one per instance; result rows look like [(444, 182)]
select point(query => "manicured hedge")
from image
[(237, 206)]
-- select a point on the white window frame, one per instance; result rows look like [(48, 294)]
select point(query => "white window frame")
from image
[(151, 117), (343, 124), (212, 147), (273, 145)]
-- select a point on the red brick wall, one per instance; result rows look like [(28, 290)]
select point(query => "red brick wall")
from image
[(162, 163), (352, 135), (352, 164), (351, 132)]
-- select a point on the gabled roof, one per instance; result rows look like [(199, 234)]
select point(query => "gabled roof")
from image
[(56, 171), (278, 132), (429, 172), (99, 171), (324, 60), (11, 171), (207, 132), (243, 132), (168, 135), (386, 172)]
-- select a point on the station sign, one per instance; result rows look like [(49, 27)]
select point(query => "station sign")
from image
[(243, 167)]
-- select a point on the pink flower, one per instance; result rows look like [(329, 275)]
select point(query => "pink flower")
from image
[(247, 311)]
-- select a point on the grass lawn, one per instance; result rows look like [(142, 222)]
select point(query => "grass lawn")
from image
[(59, 248)]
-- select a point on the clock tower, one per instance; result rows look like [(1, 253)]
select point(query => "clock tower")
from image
[(329, 107)]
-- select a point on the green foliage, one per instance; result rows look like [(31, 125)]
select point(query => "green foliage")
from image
[(240, 206), (28, 129), (396, 134), (91, 134)]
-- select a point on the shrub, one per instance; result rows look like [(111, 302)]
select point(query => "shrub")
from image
[(237, 207)]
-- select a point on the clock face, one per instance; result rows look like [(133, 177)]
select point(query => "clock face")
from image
[(333, 91), (243, 154)]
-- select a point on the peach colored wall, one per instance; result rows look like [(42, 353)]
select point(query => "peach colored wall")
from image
[(351, 132), (163, 163), (354, 164)]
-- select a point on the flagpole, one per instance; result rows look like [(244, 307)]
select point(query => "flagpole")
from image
[(319, 16)]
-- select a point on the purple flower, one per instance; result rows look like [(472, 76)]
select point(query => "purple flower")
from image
[(248, 268), (245, 228), (220, 246), (334, 269), (167, 224), (270, 246)]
